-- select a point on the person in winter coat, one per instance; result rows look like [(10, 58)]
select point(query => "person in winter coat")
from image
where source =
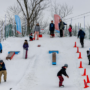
[(81, 34), (88, 55), (37, 30), (0, 47), (59, 74), (52, 29), (31, 37), (70, 30), (61, 27), (3, 71), (25, 47)]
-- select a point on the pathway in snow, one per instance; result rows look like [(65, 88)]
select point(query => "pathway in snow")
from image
[(43, 75)]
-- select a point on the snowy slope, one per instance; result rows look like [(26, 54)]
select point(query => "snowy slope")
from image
[(37, 72)]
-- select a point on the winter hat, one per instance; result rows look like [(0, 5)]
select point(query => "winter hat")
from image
[(1, 61), (25, 40), (66, 65)]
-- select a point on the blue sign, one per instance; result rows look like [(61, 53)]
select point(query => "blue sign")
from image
[(18, 24)]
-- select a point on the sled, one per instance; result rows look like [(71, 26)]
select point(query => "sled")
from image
[(40, 35)]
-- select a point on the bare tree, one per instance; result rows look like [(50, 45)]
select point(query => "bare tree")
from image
[(62, 10), (31, 10)]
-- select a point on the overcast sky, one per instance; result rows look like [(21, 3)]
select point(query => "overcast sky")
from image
[(79, 7)]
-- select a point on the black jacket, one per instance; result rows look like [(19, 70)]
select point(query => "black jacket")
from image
[(81, 33), (2, 67), (62, 71)]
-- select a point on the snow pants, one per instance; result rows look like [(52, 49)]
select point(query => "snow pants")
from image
[(70, 34), (61, 79), (61, 33), (31, 38), (4, 72), (82, 41), (25, 54)]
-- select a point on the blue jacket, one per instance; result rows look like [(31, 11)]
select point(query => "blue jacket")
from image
[(63, 23), (2, 67), (52, 27), (81, 34), (0, 46)]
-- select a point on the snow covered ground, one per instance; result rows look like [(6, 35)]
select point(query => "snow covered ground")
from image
[(37, 72)]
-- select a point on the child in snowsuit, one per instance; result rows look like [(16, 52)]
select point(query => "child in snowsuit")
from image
[(0, 47), (88, 55), (25, 47), (3, 71), (52, 29), (70, 30), (31, 37), (59, 74), (81, 34)]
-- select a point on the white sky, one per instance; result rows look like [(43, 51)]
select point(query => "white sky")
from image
[(79, 7)]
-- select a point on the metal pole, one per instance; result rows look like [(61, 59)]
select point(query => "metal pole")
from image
[(84, 23), (13, 28), (3, 31), (78, 26), (71, 21), (26, 26), (5, 27)]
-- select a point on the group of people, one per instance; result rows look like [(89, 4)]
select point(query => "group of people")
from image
[(81, 34), (61, 26)]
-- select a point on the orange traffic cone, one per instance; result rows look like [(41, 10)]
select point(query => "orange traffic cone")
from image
[(79, 56), (75, 45), (88, 79), (85, 83), (80, 64), (84, 72), (77, 50)]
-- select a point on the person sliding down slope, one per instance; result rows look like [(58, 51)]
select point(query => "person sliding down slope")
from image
[(59, 74)]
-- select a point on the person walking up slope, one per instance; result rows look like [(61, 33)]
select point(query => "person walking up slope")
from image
[(25, 47), (70, 30), (81, 34), (59, 74), (3, 71)]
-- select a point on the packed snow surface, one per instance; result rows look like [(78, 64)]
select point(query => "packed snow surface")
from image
[(37, 72)]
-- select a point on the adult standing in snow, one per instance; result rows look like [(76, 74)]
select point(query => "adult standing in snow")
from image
[(25, 47), (52, 28), (3, 70), (37, 30), (59, 74), (61, 27), (0, 47), (81, 34)]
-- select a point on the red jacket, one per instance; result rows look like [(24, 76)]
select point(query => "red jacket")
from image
[(70, 29)]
